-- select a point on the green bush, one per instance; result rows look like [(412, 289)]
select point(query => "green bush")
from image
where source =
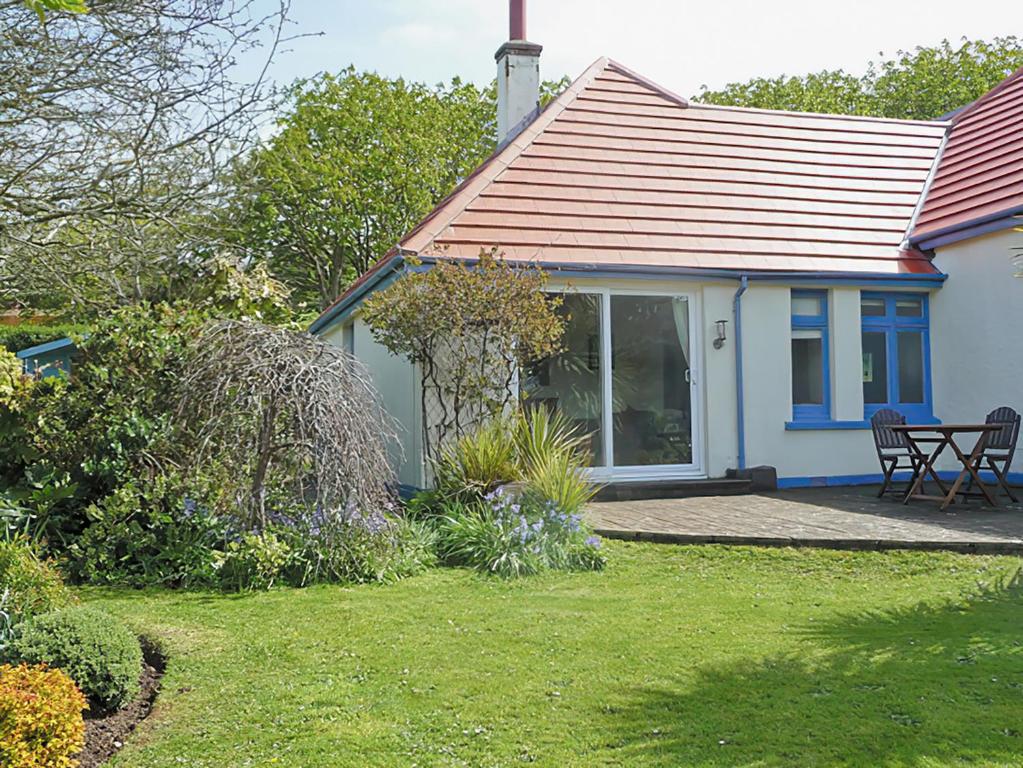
[(255, 561), (41, 723), (95, 650), (478, 462), (516, 536), (149, 533), (28, 586)]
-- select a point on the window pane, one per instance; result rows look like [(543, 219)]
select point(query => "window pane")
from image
[(872, 307), (909, 308), (807, 368), (875, 368), (650, 394), (570, 382), (911, 367), (806, 306)]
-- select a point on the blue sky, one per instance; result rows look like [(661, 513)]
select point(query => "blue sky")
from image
[(681, 45)]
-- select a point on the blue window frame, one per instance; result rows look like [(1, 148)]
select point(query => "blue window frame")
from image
[(811, 379), (896, 354)]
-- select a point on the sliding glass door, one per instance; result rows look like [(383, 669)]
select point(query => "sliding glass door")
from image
[(625, 378)]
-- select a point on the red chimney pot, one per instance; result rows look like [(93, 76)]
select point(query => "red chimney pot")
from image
[(517, 20)]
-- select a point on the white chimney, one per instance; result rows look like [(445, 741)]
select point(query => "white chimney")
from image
[(518, 77)]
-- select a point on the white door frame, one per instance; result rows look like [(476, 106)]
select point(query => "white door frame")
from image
[(609, 472)]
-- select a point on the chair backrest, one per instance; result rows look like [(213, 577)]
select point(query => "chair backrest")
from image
[(1005, 438), (885, 437)]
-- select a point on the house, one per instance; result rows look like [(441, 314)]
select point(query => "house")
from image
[(746, 287)]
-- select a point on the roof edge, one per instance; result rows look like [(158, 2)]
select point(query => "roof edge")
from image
[(979, 225), (966, 109)]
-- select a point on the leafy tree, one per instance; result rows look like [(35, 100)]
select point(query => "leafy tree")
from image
[(922, 84), (357, 161), (115, 128), (63, 6), (468, 328)]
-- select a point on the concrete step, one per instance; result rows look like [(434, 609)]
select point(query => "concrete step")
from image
[(674, 489)]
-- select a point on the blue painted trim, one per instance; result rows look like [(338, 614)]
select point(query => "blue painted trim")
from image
[(870, 279), (407, 491), (976, 230), (740, 414), (827, 481), (818, 322), (343, 308), (967, 229), (42, 349), (891, 324), (799, 425)]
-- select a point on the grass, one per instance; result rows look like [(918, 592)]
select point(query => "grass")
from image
[(674, 656)]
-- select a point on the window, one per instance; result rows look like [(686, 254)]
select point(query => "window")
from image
[(896, 355), (811, 396)]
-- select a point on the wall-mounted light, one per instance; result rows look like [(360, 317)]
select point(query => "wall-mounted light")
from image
[(721, 326)]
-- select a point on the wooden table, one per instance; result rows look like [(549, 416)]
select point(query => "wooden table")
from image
[(943, 436)]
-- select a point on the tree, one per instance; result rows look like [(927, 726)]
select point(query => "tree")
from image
[(468, 328), (115, 127), (357, 161), (922, 84), (287, 412)]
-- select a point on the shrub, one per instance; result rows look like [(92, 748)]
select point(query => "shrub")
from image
[(41, 723), (149, 533), (95, 650), (15, 338), (478, 462), (516, 536), (28, 586), (255, 561)]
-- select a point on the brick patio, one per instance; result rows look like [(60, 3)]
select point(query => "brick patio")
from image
[(841, 518)]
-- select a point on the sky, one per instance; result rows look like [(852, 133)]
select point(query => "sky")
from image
[(680, 45)]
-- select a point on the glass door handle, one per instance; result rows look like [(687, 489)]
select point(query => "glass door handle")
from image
[(688, 377)]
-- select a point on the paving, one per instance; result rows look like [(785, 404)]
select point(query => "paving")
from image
[(840, 518)]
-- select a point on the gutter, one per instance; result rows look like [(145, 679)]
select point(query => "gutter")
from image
[(339, 310), (740, 415)]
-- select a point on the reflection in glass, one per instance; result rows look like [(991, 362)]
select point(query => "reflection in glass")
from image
[(651, 399), (807, 367), (875, 367), (570, 381), (911, 367)]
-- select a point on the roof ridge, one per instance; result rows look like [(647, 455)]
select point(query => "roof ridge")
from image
[(824, 115), (648, 83), (980, 101)]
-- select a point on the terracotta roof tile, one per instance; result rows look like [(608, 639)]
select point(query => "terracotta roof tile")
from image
[(980, 173)]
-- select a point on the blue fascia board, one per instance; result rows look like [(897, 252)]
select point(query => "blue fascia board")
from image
[(341, 310), (981, 225), (789, 277), (42, 349), (827, 481)]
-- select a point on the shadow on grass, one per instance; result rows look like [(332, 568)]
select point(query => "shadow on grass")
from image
[(919, 686)]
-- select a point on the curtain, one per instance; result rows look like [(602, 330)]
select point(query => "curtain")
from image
[(680, 310)]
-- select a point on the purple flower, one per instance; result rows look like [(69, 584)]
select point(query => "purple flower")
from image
[(593, 541), (188, 508)]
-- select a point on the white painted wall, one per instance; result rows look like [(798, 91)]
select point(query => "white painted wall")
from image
[(976, 363), (976, 325), (398, 386)]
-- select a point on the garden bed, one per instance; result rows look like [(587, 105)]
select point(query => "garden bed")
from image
[(105, 734)]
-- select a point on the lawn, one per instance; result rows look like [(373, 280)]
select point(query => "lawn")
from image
[(695, 656)]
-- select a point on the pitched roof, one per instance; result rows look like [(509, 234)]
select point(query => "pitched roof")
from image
[(980, 174), (618, 172)]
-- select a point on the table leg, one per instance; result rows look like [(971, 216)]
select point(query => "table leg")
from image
[(926, 468), (970, 469)]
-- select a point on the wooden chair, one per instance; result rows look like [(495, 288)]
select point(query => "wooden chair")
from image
[(892, 448), (1000, 448)]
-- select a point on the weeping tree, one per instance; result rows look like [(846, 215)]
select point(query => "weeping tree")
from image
[(295, 423)]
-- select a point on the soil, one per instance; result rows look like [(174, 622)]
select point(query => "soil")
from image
[(106, 733)]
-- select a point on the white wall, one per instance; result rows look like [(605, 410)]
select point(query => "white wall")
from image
[(976, 364), (398, 386), (976, 325)]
